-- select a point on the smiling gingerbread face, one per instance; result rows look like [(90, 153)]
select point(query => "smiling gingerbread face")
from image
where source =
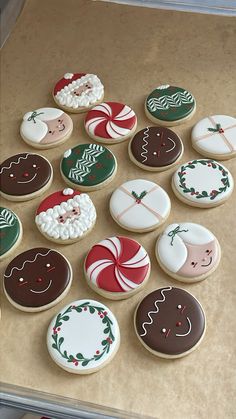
[(170, 321), (24, 174), (37, 277), (156, 147)]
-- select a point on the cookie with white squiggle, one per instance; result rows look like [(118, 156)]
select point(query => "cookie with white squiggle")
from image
[(170, 322)]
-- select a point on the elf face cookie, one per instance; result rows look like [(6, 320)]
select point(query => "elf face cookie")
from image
[(202, 183), (170, 105), (140, 205), (83, 337), (25, 176), (78, 92), (66, 216), (170, 322), (188, 252), (215, 137), (37, 279), (46, 127), (117, 267), (155, 148), (88, 167), (10, 232), (110, 122)]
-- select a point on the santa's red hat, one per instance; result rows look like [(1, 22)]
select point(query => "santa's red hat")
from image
[(66, 80), (56, 199)]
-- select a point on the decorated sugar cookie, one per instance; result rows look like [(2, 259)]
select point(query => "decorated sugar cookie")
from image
[(46, 127), (37, 279), (25, 176), (10, 232), (78, 92), (188, 252), (140, 205), (110, 122), (117, 267), (202, 183), (170, 322), (155, 148), (88, 167), (83, 337), (215, 137), (66, 216), (170, 105)]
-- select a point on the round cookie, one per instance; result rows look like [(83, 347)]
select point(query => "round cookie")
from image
[(83, 337), (117, 267), (66, 216), (188, 252), (46, 127), (155, 148), (88, 167), (170, 105), (140, 205), (215, 137), (170, 322), (78, 92), (37, 279), (110, 122), (10, 232), (25, 176), (202, 183)]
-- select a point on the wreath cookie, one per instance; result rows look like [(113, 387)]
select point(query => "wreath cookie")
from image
[(10, 232), (170, 105), (202, 183), (83, 337)]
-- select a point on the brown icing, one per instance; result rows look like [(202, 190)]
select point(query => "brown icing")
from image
[(156, 146), (24, 174), (176, 313), (37, 277)]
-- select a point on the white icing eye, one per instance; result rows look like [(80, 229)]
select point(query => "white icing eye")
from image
[(11, 175), (179, 306), (163, 330), (21, 279), (48, 265), (34, 165)]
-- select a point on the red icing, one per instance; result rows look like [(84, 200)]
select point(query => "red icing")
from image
[(65, 82), (55, 199)]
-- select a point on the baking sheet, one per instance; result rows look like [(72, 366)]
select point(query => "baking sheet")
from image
[(132, 50)]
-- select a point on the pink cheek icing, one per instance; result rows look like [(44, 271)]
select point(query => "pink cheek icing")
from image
[(58, 129), (203, 261)]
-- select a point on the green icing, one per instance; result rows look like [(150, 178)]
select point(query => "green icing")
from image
[(170, 103), (88, 164), (9, 230)]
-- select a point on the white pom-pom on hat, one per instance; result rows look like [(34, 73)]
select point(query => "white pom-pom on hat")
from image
[(68, 191), (68, 75)]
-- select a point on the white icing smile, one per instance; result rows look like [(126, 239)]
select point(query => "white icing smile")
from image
[(189, 330), (40, 292), (27, 181), (173, 146)]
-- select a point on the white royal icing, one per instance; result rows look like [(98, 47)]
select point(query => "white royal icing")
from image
[(151, 312), (72, 228), (68, 191), (215, 142), (68, 75), (83, 333), (34, 127), (163, 86), (154, 207), (67, 153)]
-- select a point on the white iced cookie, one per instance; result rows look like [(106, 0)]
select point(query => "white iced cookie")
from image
[(188, 252), (78, 92), (202, 183), (140, 205), (83, 337), (215, 137), (46, 127)]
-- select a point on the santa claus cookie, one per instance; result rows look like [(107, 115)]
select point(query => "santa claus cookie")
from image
[(170, 105), (202, 183), (88, 167), (155, 148), (78, 92), (25, 176), (46, 127), (170, 322), (215, 137), (83, 337), (66, 216), (140, 205), (10, 232), (37, 279), (188, 252), (117, 267), (110, 122)]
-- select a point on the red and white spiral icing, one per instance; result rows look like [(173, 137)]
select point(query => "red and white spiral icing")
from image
[(117, 264), (110, 120)]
